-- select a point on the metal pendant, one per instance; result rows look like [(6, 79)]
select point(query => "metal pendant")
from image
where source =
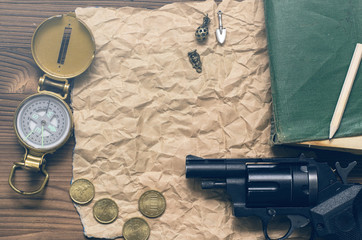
[(194, 58), (203, 31), (221, 31)]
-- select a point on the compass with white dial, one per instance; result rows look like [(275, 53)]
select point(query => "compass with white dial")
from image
[(43, 122)]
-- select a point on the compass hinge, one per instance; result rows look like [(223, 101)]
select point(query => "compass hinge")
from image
[(33, 162), (60, 85)]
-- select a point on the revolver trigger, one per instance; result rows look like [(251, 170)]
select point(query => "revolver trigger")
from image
[(344, 172), (296, 221)]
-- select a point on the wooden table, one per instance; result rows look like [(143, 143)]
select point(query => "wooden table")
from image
[(51, 214)]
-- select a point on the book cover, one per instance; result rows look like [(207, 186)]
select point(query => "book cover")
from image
[(310, 46)]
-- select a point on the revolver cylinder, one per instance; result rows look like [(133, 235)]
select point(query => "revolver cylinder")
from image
[(277, 185)]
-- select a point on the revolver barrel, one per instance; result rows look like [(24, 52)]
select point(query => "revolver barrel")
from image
[(213, 168)]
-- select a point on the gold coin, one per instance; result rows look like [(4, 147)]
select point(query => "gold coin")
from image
[(105, 210), (136, 229), (81, 191), (152, 204)]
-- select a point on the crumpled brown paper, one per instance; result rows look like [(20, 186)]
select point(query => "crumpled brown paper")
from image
[(141, 108)]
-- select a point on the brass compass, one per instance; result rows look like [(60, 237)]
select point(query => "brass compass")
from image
[(63, 47)]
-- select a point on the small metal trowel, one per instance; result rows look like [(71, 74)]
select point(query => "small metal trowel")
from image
[(220, 32)]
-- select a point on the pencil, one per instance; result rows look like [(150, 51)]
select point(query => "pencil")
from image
[(346, 90)]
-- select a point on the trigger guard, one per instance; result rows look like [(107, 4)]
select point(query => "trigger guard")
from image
[(290, 231), (295, 221)]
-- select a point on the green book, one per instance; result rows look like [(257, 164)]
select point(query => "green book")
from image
[(310, 46)]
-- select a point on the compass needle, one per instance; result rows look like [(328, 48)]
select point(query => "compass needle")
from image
[(29, 134)]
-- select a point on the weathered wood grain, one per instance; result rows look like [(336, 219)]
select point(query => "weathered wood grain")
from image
[(19, 73)]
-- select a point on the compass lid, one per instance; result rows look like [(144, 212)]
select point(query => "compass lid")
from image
[(63, 46)]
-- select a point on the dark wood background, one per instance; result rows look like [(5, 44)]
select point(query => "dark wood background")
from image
[(51, 214)]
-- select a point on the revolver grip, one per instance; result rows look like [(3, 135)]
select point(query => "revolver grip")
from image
[(341, 227), (340, 217)]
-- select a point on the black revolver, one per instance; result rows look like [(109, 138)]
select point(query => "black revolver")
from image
[(304, 190)]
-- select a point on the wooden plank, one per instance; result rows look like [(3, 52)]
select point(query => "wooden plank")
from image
[(19, 73)]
